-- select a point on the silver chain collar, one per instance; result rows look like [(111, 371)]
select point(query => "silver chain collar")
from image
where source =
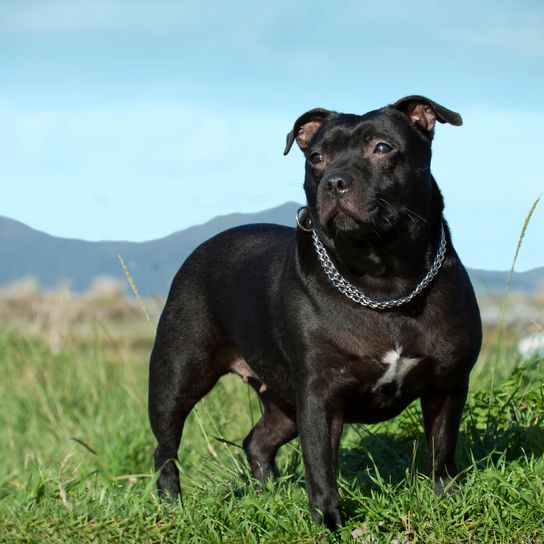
[(357, 295)]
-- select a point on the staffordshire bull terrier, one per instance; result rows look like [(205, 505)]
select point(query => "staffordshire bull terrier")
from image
[(348, 318)]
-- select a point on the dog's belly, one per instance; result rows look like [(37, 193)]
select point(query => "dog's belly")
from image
[(265, 375), (366, 406), (374, 388)]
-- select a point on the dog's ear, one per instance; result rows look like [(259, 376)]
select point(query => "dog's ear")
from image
[(305, 128), (424, 113)]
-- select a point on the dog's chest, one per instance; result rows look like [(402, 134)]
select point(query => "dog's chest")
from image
[(390, 365), (378, 384), (396, 367)]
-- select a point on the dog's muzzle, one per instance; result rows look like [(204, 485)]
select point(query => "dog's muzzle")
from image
[(338, 185)]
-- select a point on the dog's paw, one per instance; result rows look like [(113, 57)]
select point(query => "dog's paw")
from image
[(168, 489), (331, 518), (445, 486)]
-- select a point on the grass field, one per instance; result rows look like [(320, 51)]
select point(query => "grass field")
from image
[(76, 450)]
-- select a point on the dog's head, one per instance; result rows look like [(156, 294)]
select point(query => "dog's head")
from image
[(368, 176)]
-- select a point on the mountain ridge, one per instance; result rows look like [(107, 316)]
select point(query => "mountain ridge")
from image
[(27, 252)]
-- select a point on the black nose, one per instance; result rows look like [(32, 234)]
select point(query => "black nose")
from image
[(338, 185)]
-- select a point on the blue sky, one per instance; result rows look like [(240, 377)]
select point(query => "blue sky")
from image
[(130, 120)]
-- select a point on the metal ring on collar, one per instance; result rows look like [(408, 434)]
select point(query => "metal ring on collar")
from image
[(303, 219)]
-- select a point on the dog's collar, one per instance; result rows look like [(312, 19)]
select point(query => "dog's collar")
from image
[(352, 292)]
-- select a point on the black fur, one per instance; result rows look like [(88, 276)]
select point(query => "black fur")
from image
[(254, 300)]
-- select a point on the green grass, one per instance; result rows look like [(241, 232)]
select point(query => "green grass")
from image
[(76, 455)]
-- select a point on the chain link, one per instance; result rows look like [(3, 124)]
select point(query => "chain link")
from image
[(355, 294)]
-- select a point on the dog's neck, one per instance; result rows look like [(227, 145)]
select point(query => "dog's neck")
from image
[(405, 257)]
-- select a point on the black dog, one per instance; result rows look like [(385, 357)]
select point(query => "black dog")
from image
[(350, 323)]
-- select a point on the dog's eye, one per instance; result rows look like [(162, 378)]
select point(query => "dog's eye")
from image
[(316, 158), (382, 148)]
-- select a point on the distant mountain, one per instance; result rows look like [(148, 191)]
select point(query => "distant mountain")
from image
[(25, 252), (491, 281)]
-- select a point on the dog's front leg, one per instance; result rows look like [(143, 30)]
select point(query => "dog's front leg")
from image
[(320, 429), (441, 417)]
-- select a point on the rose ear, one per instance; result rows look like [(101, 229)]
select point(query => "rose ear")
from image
[(424, 113), (305, 128)]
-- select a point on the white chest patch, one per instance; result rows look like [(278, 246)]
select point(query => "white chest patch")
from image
[(397, 368)]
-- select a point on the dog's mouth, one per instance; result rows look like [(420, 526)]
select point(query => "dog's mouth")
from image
[(372, 224)]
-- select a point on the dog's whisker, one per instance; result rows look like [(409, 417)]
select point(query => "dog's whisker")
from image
[(412, 218), (376, 229), (387, 203), (415, 215)]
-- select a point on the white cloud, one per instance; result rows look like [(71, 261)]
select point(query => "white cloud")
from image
[(523, 36), (237, 20), (516, 28), (93, 173), (61, 16)]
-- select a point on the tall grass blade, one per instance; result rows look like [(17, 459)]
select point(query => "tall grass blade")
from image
[(507, 289), (134, 288)]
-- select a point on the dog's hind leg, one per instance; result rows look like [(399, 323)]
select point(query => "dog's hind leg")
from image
[(180, 374), (275, 428)]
